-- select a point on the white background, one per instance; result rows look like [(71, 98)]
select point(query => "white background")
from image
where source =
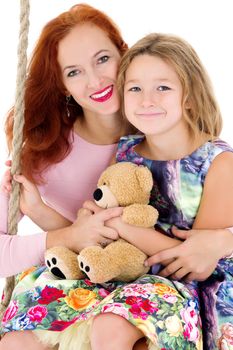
[(207, 25)]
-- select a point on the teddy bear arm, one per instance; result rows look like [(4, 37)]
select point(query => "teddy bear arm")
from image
[(140, 215)]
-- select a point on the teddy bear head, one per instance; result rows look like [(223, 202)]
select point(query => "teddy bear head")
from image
[(123, 184)]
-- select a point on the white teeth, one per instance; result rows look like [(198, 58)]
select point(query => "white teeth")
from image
[(102, 94)]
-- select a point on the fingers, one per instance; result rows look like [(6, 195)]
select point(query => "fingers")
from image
[(92, 207), (84, 212), (183, 234), (6, 182), (171, 269), (8, 162), (28, 185), (161, 256), (105, 242), (109, 233), (109, 213)]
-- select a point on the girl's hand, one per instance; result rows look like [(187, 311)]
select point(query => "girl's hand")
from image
[(194, 259), (6, 185), (89, 229), (30, 199)]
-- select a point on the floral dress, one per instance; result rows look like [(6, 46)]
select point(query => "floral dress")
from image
[(167, 312)]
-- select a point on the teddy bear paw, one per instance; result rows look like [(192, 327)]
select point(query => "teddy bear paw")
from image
[(83, 266), (55, 270)]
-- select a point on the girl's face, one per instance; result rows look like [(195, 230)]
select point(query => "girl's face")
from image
[(153, 96), (89, 63)]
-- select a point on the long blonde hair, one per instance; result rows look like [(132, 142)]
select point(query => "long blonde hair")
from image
[(203, 114)]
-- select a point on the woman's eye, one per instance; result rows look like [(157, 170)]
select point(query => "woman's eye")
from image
[(103, 59), (163, 88), (73, 73)]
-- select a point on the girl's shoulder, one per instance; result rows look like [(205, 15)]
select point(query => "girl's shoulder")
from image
[(126, 146), (222, 145), (129, 141)]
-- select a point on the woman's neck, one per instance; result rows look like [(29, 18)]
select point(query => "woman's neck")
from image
[(101, 130)]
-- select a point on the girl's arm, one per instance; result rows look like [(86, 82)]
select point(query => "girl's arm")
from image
[(148, 240), (198, 255)]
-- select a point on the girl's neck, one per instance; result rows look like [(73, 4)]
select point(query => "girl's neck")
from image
[(162, 148), (101, 130)]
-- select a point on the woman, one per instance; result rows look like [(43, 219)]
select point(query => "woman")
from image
[(71, 115)]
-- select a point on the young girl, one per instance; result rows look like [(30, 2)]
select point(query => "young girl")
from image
[(167, 96)]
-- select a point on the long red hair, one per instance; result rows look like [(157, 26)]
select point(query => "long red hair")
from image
[(47, 126)]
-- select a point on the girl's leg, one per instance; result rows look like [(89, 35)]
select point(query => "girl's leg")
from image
[(22, 340), (113, 332)]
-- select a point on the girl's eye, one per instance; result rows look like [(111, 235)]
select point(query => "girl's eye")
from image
[(163, 88), (103, 59), (135, 89), (73, 73)]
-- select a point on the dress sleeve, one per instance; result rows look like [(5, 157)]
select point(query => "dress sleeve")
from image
[(18, 253)]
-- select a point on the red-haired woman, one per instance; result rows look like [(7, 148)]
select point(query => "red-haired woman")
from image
[(72, 125)]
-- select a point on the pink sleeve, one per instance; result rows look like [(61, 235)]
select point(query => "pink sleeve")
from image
[(18, 253)]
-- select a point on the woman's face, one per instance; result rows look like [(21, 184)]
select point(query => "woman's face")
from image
[(89, 63)]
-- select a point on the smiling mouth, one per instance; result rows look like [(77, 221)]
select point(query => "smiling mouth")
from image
[(151, 115), (103, 95)]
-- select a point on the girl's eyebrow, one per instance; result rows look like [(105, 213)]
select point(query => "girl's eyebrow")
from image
[(156, 80)]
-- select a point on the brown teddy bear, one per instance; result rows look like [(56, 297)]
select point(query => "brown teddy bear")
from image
[(122, 184)]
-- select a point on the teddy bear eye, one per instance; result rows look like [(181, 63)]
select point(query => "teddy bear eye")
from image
[(104, 184)]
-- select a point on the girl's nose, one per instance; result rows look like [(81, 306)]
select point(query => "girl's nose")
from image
[(148, 100)]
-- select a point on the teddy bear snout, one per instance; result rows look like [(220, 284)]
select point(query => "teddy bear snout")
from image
[(98, 194), (105, 198)]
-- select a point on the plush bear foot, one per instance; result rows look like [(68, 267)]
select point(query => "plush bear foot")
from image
[(62, 263), (51, 264)]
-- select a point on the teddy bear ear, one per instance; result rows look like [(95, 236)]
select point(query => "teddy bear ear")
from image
[(144, 177)]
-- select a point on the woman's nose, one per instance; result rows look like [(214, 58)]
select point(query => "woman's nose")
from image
[(94, 80)]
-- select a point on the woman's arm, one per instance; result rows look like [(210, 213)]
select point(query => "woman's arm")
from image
[(18, 252), (32, 205)]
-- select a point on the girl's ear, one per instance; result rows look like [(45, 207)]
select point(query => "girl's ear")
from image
[(187, 104)]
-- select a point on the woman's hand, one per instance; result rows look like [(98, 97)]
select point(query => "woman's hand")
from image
[(194, 259), (29, 195), (89, 229), (6, 183), (30, 199)]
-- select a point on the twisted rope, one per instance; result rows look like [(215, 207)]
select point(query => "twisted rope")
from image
[(13, 211)]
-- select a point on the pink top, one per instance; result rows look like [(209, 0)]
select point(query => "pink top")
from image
[(67, 185)]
